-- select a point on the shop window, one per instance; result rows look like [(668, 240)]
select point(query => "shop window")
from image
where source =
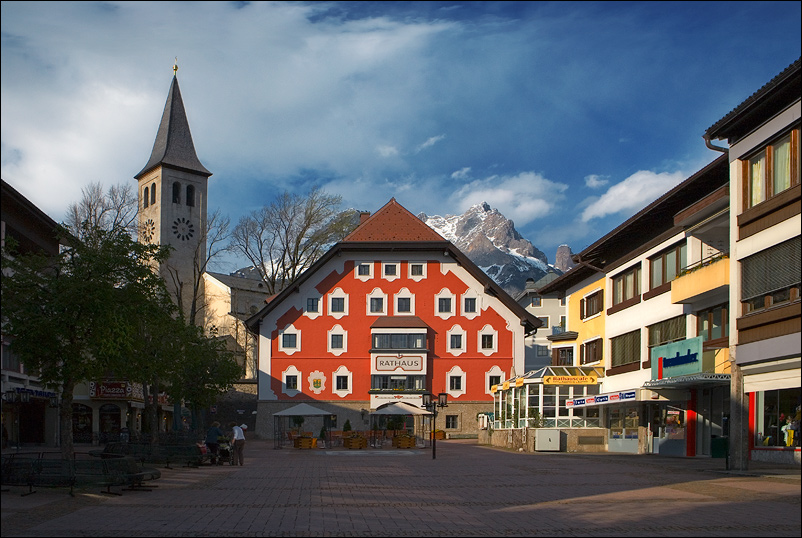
[(778, 417), (664, 332), (665, 267), (772, 170), (625, 349), (772, 276), (452, 422)]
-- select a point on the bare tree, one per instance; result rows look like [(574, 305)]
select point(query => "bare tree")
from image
[(285, 238), (114, 210)]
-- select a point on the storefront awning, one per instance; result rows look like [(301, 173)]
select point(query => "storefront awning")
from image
[(688, 381)]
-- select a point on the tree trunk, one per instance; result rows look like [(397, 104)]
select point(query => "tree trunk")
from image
[(65, 420)]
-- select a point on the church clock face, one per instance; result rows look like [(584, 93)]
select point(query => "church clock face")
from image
[(183, 229), (148, 230)]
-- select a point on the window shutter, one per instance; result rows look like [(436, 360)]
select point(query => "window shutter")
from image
[(555, 357), (582, 354), (771, 270), (582, 309), (601, 300)]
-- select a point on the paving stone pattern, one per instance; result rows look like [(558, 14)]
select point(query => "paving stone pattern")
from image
[(469, 490)]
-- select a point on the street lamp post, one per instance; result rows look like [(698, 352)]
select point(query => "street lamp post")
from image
[(432, 406)]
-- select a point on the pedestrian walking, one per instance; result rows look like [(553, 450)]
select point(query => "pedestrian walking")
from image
[(238, 440)]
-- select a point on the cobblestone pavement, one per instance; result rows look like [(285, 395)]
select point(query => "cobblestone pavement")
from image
[(469, 490)]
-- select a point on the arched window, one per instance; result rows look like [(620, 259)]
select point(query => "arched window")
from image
[(190, 195), (145, 198), (153, 193), (176, 193)]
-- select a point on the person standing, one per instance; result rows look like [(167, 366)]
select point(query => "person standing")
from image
[(213, 436), (238, 438)]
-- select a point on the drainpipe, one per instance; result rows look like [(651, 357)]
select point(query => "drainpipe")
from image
[(712, 146)]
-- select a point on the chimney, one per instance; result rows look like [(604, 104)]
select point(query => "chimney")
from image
[(363, 216)]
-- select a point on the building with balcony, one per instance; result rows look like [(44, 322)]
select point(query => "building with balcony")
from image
[(763, 150)]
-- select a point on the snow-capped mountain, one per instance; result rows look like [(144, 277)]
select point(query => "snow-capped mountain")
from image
[(491, 241)]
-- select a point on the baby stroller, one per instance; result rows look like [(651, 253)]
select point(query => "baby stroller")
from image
[(224, 451)]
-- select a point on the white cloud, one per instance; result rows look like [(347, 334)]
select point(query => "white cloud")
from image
[(462, 173), (632, 194), (594, 181), (523, 197), (430, 142), (387, 151)]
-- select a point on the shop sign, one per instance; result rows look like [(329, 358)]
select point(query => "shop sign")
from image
[(519, 382), (116, 390), (403, 363), (601, 399), (569, 380), (36, 393), (677, 358)]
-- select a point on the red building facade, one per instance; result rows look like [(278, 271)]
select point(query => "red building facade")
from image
[(388, 314)]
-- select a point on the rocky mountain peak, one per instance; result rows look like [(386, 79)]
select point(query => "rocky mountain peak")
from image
[(491, 241)]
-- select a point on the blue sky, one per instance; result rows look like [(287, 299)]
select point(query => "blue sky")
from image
[(568, 117)]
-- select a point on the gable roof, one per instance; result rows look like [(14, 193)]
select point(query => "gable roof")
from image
[(393, 222), (775, 95), (651, 224), (173, 146), (403, 233)]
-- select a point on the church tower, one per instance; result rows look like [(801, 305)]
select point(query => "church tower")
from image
[(172, 192)]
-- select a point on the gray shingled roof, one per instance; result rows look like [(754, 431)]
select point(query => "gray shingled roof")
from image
[(173, 146)]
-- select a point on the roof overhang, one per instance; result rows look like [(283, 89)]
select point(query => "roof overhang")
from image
[(688, 381)]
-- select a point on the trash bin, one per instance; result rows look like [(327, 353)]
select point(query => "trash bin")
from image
[(718, 447)]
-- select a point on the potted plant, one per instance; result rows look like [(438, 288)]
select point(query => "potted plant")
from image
[(347, 428), (439, 434)]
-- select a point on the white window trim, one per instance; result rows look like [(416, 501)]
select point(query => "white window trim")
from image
[(317, 374), (592, 339), (377, 293), (471, 294), (444, 294), (363, 278), (494, 371), (456, 371), (416, 278), (574, 353), (404, 293), (397, 274), (291, 370), (487, 330), (344, 372), (456, 329), (314, 315), (289, 329), (337, 293), (337, 329), (583, 304), (547, 324)]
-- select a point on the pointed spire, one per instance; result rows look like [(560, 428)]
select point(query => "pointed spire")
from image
[(173, 146)]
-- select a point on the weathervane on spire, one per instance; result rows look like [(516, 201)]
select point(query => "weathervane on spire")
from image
[(175, 66)]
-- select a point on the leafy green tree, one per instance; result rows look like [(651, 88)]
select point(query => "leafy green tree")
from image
[(70, 316)]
